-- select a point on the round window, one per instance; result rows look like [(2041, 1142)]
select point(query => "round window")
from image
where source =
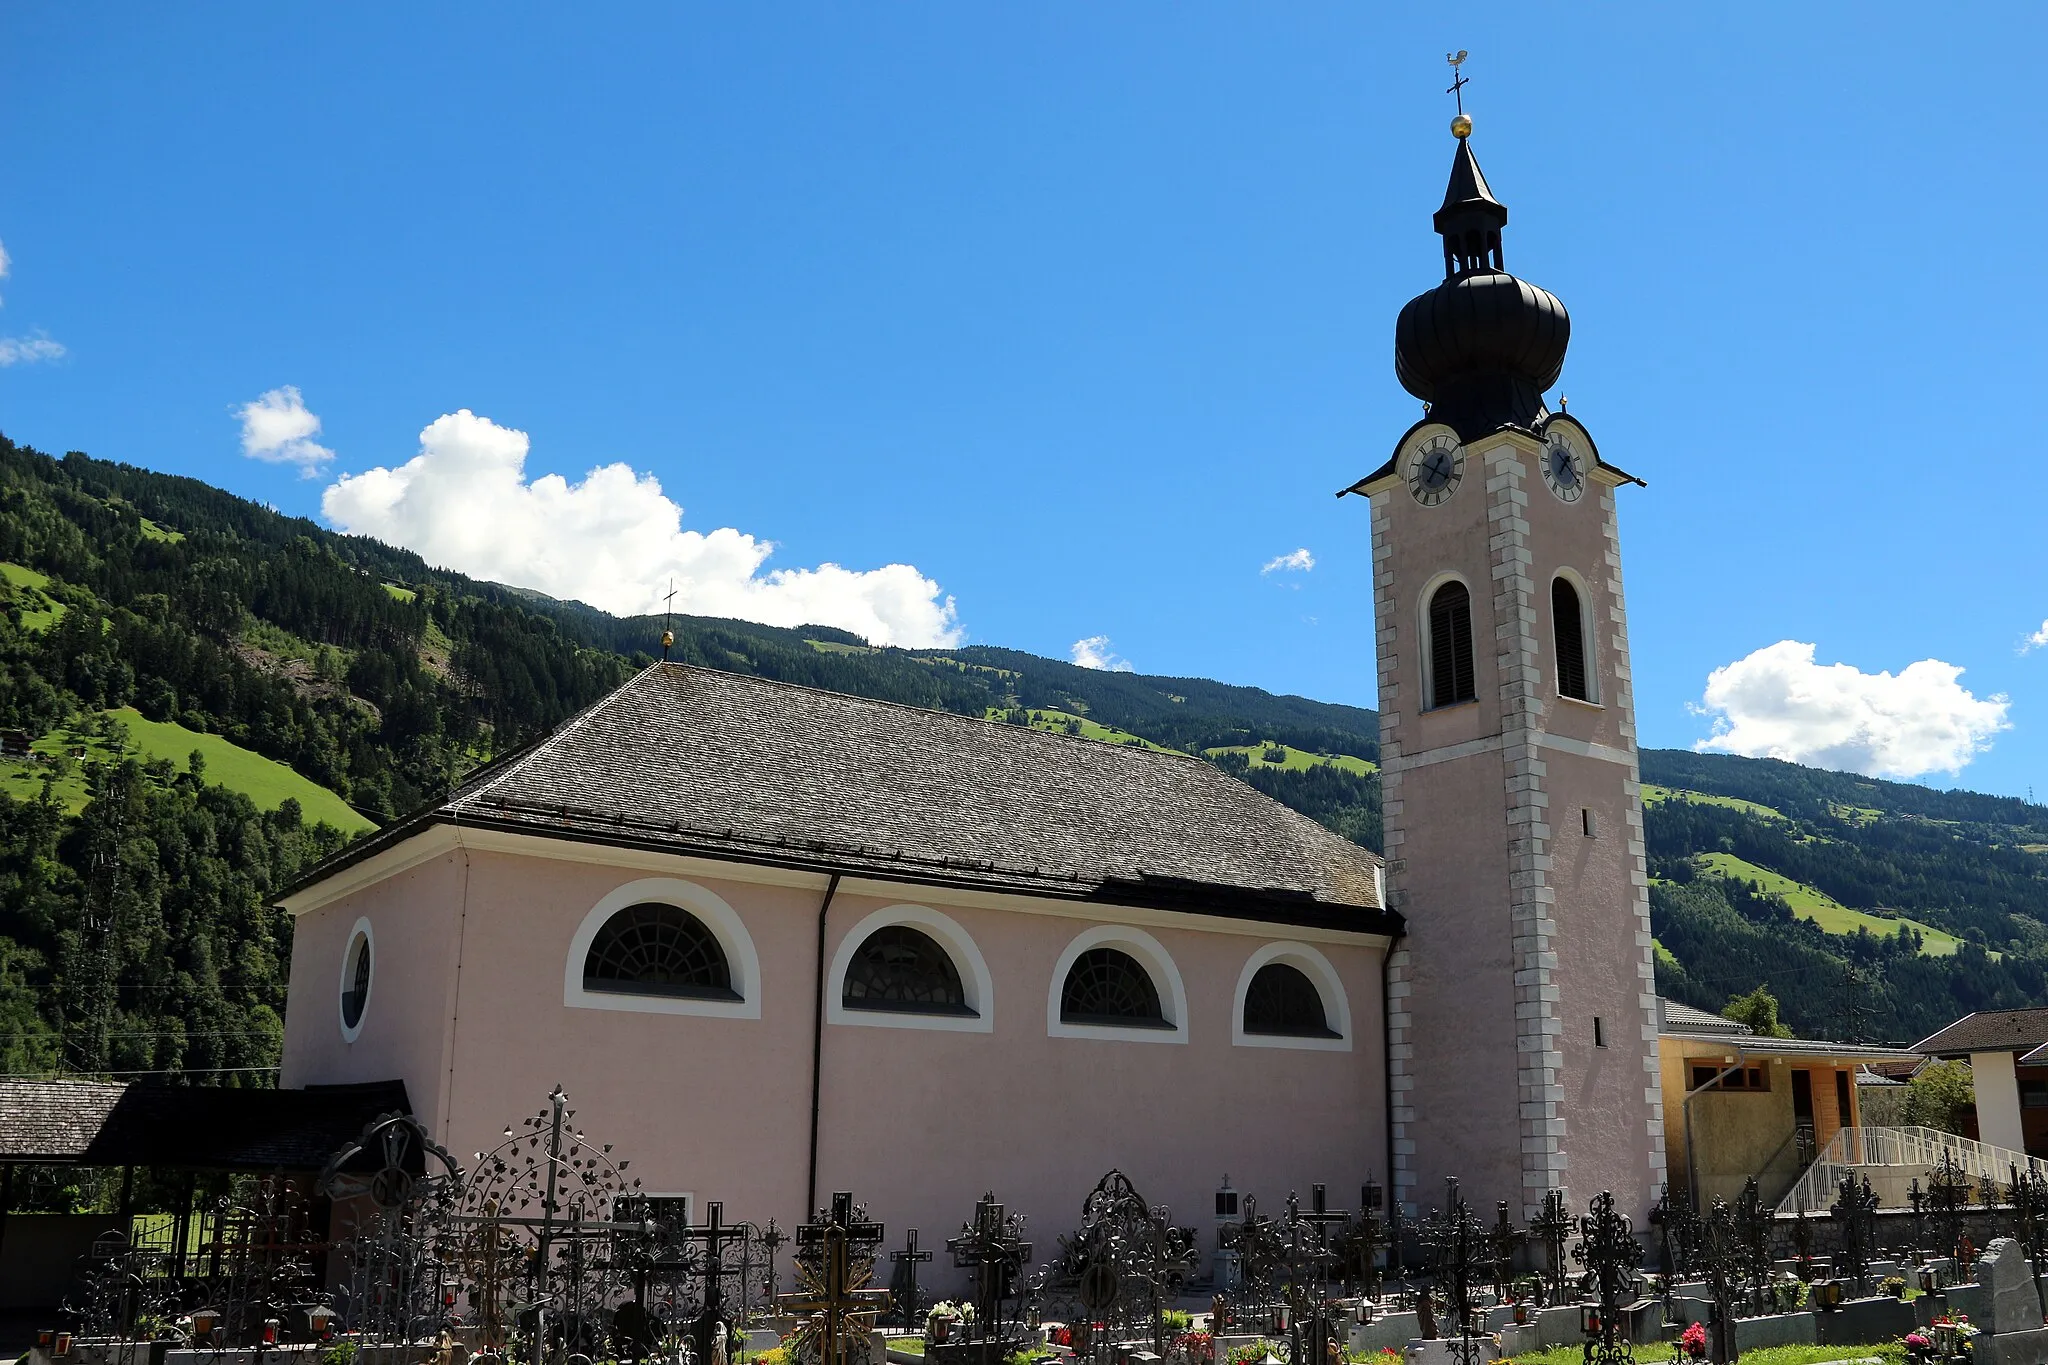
[(357, 965)]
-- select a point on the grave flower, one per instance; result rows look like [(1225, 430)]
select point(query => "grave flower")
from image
[(1694, 1342)]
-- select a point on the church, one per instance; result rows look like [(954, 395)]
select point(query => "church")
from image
[(776, 942)]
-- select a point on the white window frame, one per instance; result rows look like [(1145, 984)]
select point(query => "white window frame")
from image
[(363, 931), (1321, 974), (975, 981), (721, 919), (1149, 954)]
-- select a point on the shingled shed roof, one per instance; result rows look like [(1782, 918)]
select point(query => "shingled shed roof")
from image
[(1989, 1031), (692, 760), (93, 1123)]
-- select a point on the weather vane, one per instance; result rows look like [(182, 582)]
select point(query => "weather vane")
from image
[(668, 634), (1461, 126)]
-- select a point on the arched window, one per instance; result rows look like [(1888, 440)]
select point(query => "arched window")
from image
[(657, 949), (1106, 986), (1450, 646), (1567, 624), (903, 969), (1283, 1002)]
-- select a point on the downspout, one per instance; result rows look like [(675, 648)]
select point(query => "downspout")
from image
[(1387, 1072), (818, 1046), (1692, 1174)]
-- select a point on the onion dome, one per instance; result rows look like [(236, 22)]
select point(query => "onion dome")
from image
[(1481, 347)]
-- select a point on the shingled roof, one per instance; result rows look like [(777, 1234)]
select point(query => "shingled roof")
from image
[(94, 1123), (693, 760), (1989, 1031)]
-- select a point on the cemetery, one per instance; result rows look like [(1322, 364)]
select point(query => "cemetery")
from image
[(546, 1250)]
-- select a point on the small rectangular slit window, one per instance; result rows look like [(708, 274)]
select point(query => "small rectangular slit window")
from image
[(1599, 1031), (1587, 824)]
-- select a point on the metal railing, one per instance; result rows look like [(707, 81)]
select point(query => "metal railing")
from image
[(1892, 1158)]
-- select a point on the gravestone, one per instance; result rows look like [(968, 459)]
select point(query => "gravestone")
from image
[(2015, 1304)]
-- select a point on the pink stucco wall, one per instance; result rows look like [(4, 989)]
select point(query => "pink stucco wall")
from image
[(917, 1123)]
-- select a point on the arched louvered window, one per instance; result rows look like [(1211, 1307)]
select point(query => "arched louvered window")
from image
[(1567, 624), (658, 949), (1450, 646), (1282, 1000), (901, 969), (1106, 986)]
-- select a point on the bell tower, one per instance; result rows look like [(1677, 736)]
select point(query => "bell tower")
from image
[(1522, 1007)]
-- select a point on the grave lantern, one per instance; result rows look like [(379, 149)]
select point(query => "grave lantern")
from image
[(270, 1331), (1828, 1294), (1589, 1320), (1370, 1194), (320, 1321), (63, 1346)]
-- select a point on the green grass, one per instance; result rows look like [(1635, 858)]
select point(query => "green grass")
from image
[(1654, 795), (1067, 723), (403, 594), (1664, 955), (262, 780), (1296, 760), (39, 611), (910, 1346), (154, 531), (1861, 815), (835, 647), (1833, 917)]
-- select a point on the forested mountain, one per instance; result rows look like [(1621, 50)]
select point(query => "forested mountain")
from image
[(144, 616)]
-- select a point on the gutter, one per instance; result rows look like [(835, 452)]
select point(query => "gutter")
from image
[(818, 1045)]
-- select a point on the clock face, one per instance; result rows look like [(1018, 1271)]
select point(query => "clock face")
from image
[(1435, 468), (1564, 468)]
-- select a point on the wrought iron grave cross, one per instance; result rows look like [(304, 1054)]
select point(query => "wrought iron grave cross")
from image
[(907, 1261), (840, 1302)]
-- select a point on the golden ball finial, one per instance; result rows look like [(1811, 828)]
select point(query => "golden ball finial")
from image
[(668, 639), (1461, 126)]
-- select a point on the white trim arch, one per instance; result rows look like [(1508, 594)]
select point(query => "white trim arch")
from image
[(975, 981), (1586, 633), (1321, 974), (1149, 954), (368, 937), (721, 919), (1426, 654)]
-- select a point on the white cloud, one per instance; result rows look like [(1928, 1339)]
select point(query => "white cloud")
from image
[(278, 429), (28, 350), (1094, 652), (2037, 639), (6, 261), (613, 540), (1778, 703), (1294, 561)]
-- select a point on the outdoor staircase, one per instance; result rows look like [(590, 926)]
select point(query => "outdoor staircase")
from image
[(1892, 1159)]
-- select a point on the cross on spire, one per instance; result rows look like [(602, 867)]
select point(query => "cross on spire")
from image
[(1458, 81)]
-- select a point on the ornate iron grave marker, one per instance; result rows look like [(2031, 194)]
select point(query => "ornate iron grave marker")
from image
[(1310, 1258), (1458, 1252), (1855, 1215), (993, 1247), (1948, 1196), (835, 1262), (1123, 1266), (1612, 1258), (400, 1187), (903, 1284), (1552, 1227), (1721, 1259)]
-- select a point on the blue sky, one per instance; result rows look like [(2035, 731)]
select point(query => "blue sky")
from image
[(1078, 312)]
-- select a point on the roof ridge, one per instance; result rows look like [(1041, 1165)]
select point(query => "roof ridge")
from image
[(1145, 748)]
